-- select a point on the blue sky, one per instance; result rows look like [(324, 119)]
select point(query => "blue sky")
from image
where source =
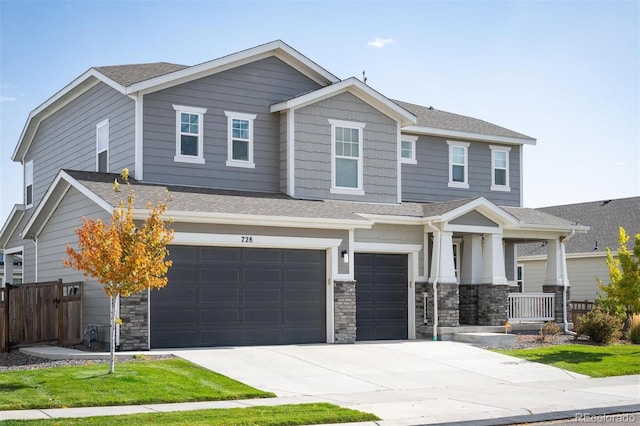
[(564, 72)]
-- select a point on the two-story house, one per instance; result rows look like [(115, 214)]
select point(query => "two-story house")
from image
[(306, 208)]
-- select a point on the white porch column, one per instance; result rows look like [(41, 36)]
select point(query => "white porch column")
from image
[(443, 253), (7, 278), (554, 263), (493, 260), (471, 272)]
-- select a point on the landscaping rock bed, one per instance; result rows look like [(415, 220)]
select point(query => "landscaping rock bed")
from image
[(16, 360)]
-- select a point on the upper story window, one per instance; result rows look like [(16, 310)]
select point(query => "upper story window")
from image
[(240, 139), (346, 150), (28, 184), (189, 134), (458, 164), (102, 146), (408, 149), (500, 168)]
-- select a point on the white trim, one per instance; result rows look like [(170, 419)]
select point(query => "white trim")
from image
[(472, 228), (351, 252), (358, 89), (35, 263), (139, 137), (465, 148), (412, 140), (179, 157), (28, 165), (17, 209), (14, 250), (386, 248), (291, 157), (331, 254), (257, 241), (521, 171), (589, 255), (522, 280), (100, 125), (495, 149), (359, 189), (434, 131), (399, 164), (231, 162)]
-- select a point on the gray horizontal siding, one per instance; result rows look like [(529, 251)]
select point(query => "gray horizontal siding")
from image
[(52, 243), (67, 139), (428, 179), (313, 149), (250, 89), (29, 251), (394, 234)]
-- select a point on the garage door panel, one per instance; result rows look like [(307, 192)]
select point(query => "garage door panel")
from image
[(219, 295), (303, 256), (183, 253), (300, 316), (303, 295), (227, 337), (304, 335), (381, 296), (220, 274), (219, 316), (262, 275), (218, 254), (263, 336), (179, 316), (262, 295), (261, 315), (184, 295), (303, 276), (262, 255)]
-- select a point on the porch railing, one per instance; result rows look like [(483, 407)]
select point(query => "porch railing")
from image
[(531, 307)]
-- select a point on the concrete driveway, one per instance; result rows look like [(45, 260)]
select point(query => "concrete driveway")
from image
[(416, 382)]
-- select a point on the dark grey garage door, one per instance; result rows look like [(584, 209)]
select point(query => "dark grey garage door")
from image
[(219, 296), (381, 296)]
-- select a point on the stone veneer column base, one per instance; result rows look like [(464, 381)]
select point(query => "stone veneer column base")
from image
[(557, 290), (423, 329), (493, 304), (468, 304), (134, 331), (344, 312), (448, 305)]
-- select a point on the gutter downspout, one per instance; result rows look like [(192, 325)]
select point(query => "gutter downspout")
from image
[(435, 281), (565, 282)]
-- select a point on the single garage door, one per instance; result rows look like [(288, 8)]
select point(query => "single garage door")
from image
[(220, 296), (381, 296)]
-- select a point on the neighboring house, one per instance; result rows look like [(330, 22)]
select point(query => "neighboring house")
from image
[(16, 269), (306, 208), (586, 253)]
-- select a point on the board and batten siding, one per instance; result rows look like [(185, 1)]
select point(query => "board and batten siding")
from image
[(52, 243), (313, 149), (582, 272), (67, 139), (250, 89), (428, 180)]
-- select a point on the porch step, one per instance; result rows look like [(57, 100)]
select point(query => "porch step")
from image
[(493, 340)]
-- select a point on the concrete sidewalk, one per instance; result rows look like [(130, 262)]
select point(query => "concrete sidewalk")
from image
[(404, 383)]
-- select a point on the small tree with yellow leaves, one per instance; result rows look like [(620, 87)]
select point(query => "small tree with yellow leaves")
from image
[(124, 258), (624, 273)]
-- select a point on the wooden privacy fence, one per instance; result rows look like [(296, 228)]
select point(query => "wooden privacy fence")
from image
[(578, 309), (41, 312)]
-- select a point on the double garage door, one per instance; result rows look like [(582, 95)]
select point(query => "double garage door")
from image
[(219, 296)]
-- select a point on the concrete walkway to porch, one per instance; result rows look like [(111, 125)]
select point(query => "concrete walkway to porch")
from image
[(404, 383)]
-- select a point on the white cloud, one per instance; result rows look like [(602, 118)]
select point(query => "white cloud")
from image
[(379, 42), (8, 99)]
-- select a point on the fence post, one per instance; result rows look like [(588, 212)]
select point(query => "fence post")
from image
[(4, 344), (60, 308)]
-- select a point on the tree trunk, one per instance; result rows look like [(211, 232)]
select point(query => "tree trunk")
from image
[(113, 301)]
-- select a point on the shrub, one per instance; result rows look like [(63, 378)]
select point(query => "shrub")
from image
[(634, 330), (549, 331), (600, 326)]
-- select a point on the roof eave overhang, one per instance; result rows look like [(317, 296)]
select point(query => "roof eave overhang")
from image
[(357, 88), (258, 220), (71, 91), (458, 134), (11, 224), (276, 48)]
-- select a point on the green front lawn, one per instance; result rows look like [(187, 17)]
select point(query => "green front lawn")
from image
[(140, 382), (594, 361), (303, 414)]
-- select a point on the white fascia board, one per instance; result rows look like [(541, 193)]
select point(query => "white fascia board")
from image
[(68, 93), (386, 248), (257, 241), (357, 88), (276, 48), (257, 220), (485, 207), (584, 255), (556, 228), (393, 220), (458, 134), (63, 178), (11, 224)]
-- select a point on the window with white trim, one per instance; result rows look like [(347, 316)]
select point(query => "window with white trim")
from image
[(520, 277), (408, 149), (240, 139), (189, 134), (346, 153), (458, 164), (500, 168), (28, 184), (102, 146)]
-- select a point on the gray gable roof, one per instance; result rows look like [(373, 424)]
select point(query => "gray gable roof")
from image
[(430, 117), (126, 75), (604, 218)]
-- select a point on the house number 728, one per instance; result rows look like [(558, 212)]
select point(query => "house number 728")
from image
[(247, 239)]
